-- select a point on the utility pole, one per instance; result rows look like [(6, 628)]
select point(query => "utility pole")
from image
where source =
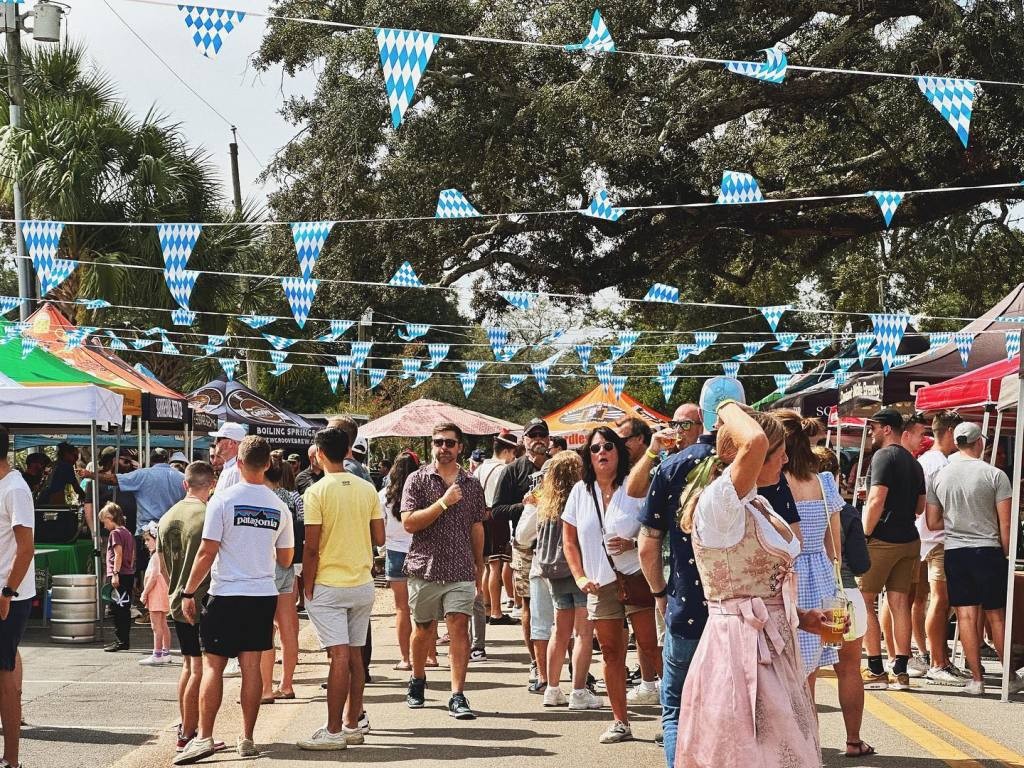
[(16, 95), (353, 381), (236, 184)]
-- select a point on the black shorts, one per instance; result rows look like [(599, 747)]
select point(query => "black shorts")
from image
[(188, 639), (12, 629), (976, 576), (234, 624)]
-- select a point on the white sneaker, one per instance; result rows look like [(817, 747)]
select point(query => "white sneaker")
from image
[(584, 700), (618, 731), (639, 696), (364, 723), (247, 747), (517, 613), (152, 661), (1016, 684), (323, 740), (353, 735), (553, 697), (232, 669), (945, 676), (195, 750), (918, 667), (974, 688)]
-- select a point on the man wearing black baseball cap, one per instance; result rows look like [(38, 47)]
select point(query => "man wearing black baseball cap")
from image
[(895, 498)]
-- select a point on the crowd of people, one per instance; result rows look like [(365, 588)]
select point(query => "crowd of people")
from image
[(720, 547)]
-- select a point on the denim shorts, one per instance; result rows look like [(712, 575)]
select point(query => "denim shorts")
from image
[(394, 564), (566, 595)]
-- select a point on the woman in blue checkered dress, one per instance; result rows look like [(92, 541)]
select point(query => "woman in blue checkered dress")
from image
[(818, 502)]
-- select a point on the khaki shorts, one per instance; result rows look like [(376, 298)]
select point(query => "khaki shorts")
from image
[(606, 604), (433, 600), (894, 567), (936, 562)]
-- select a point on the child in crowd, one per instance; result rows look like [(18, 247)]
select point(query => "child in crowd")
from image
[(156, 599), (120, 571)]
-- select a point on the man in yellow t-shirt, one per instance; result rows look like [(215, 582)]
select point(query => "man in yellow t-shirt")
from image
[(343, 522)]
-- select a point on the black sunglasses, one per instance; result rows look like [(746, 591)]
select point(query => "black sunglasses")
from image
[(684, 425), (447, 442), (602, 447)]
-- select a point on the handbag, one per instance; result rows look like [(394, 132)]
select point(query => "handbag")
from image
[(837, 554), (633, 587)]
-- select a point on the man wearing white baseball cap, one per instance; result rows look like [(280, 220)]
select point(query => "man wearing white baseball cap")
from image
[(227, 439)]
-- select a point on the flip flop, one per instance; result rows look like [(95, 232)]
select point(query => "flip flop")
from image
[(279, 694), (267, 700), (403, 666), (863, 749), (431, 664), (444, 639)]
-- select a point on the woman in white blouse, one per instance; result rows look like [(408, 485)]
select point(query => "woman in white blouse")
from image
[(599, 540)]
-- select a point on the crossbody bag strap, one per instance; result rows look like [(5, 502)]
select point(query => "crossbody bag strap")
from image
[(600, 522), (837, 554)]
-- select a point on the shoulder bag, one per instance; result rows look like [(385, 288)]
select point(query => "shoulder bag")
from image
[(633, 587)]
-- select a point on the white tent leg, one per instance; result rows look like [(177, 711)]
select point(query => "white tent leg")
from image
[(1018, 455), (995, 439), (860, 460), (97, 559)]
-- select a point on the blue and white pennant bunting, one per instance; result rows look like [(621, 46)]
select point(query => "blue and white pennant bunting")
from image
[(773, 70), (660, 293), (452, 204), (964, 342), (739, 188), (601, 208), (889, 330), (519, 299), (888, 202), (257, 321), (229, 365), (413, 331), (619, 385), (360, 351), (1012, 343), (42, 239), (404, 55), (514, 380), (774, 314), (209, 26), (181, 316), (377, 375), (437, 352), (731, 369), (177, 241), (786, 340), (599, 39), (300, 293), (405, 277), (309, 237), (583, 352), (954, 99)]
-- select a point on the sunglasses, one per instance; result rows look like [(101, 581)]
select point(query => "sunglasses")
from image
[(684, 425), (602, 447), (445, 442)]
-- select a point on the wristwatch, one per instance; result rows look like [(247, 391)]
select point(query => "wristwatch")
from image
[(188, 595), (661, 593), (8, 592)]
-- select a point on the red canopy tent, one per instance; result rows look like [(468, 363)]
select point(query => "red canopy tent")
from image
[(973, 390), (599, 408)]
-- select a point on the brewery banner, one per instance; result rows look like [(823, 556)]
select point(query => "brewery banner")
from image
[(164, 409)]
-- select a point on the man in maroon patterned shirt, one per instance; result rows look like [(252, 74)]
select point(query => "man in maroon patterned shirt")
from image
[(443, 508)]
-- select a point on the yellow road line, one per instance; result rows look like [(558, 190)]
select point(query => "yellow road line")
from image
[(988, 746), (924, 738)]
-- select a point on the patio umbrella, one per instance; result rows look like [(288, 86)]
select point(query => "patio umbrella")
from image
[(418, 418)]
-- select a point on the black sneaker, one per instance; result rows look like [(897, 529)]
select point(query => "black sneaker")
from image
[(659, 738), (478, 654), (415, 697), (634, 676), (458, 707), (115, 647), (504, 619)]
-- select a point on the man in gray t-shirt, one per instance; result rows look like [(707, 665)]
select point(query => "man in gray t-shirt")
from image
[(971, 500)]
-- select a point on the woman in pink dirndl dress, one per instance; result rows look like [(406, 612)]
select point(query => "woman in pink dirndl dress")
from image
[(745, 702)]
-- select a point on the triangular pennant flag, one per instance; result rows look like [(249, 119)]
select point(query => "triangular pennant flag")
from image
[(300, 293), (177, 242), (683, 351), (213, 344), (598, 39), (181, 284), (619, 385), (413, 331), (360, 351), (404, 55), (552, 337), (845, 363), (519, 299), (739, 188), (42, 239), (508, 352), (377, 375), (583, 351), (817, 346), (774, 314), (514, 380), (344, 363), (437, 352), (452, 204), (601, 208), (166, 346), (116, 343), (665, 369), (954, 99), (75, 337), (771, 71), (410, 366), (93, 303), (786, 340), (497, 338), (338, 328), (1019, 319), (939, 339), (1012, 344), (9, 334), (139, 367), (28, 343), (604, 373), (964, 342), (668, 385), (183, 316), (257, 321), (704, 339), (662, 294), (540, 373), (628, 338), (468, 380), (405, 277), (888, 202), (420, 377), (795, 366), (889, 330), (209, 26), (900, 360), (864, 342), (281, 369), (277, 356), (782, 381), (839, 378), (309, 237), (731, 369), (750, 348), (229, 365), (141, 343), (333, 373), (474, 366), (278, 342), (7, 303)]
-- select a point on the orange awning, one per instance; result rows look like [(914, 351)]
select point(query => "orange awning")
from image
[(600, 408)]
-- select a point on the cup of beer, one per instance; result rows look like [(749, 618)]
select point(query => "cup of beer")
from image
[(835, 608)]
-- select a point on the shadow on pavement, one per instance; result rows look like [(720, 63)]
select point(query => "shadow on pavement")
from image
[(836, 757), (98, 735), (381, 753)]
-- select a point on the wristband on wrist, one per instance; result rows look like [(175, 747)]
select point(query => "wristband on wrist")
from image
[(724, 403), (444, 507), (662, 592), (651, 455), (581, 581)]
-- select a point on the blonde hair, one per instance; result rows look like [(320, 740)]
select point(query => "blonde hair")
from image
[(827, 459), (561, 473)]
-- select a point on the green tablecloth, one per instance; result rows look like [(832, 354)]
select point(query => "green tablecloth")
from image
[(69, 558)]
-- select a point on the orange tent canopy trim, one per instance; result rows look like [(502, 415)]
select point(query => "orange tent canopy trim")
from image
[(600, 408)]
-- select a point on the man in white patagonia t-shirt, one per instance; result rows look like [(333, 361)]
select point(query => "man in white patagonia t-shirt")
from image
[(18, 578), (247, 530)]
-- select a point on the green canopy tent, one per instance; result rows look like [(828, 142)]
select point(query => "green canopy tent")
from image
[(39, 367)]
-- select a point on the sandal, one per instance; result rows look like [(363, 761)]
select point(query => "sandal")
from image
[(403, 666), (279, 694), (863, 749), (431, 664), (266, 700), (444, 639)]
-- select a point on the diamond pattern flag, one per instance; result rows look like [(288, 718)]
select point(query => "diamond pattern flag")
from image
[(404, 55), (583, 351), (413, 331), (666, 369), (405, 277), (817, 346), (771, 71), (338, 328), (731, 369), (278, 342), (7, 303), (750, 348), (42, 238), (540, 373), (410, 366), (28, 343), (900, 360), (598, 39), (628, 338), (167, 346), (300, 294), (619, 384), (115, 343), (278, 356), (888, 202), (344, 363), (183, 316), (738, 188), (552, 337), (474, 366), (601, 208), (1012, 344), (782, 381), (786, 340), (144, 370), (213, 344), (209, 26), (377, 375), (177, 242), (839, 378), (514, 380), (704, 339), (668, 386), (954, 99), (774, 314), (864, 342), (663, 294), (604, 373), (497, 338), (280, 369), (75, 337), (939, 339), (468, 380), (452, 204), (795, 366), (508, 352), (333, 374), (309, 237), (683, 351), (360, 351), (139, 344), (964, 342), (845, 363), (257, 321), (420, 377), (229, 364), (437, 352), (889, 330), (94, 303), (519, 299)]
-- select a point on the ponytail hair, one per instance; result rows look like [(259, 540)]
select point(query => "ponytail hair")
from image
[(801, 433)]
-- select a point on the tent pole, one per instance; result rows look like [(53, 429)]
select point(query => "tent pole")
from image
[(839, 435), (984, 430), (860, 460), (98, 563), (995, 439), (1018, 455), (149, 448)]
